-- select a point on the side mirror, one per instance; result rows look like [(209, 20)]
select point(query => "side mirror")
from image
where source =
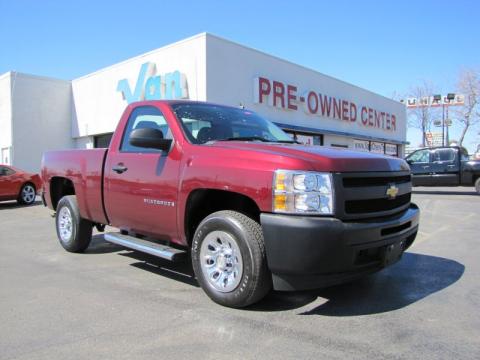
[(409, 161), (149, 138)]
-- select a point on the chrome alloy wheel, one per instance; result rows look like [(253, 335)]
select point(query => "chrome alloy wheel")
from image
[(65, 224), (221, 261), (28, 194)]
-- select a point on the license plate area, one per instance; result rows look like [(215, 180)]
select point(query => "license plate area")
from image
[(392, 253)]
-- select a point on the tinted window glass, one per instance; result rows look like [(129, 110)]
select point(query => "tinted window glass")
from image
[(141, 118), (444, 155)]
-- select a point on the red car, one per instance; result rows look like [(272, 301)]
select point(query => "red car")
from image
[(19, 185)]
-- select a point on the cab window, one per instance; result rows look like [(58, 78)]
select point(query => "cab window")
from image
[(444, 155), (421, 156), (142, 118)]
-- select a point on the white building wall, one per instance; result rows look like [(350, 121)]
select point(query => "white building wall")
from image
[(98, 103), (5, 118), (233, 68), (41, 109)]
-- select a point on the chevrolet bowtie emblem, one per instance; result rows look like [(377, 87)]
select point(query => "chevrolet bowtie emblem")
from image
[(392, 191)]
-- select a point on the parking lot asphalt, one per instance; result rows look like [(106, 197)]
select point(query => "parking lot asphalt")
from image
[(113, 303)]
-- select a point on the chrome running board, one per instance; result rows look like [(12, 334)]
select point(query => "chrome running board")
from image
[(162, 251)]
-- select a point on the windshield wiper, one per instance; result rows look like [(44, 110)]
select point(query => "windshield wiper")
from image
[(288, 141), (245, 138), (257, 138)]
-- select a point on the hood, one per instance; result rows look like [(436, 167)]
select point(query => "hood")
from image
[(322, 158)]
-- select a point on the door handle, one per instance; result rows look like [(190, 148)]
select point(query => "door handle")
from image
[(119, 168), (426, 166)]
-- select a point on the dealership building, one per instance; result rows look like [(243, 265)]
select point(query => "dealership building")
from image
[(38, 114)]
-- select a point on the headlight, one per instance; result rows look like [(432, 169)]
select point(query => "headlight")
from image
[(302, 192)]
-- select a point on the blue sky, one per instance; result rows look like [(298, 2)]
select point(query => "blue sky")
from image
[(384, 46)]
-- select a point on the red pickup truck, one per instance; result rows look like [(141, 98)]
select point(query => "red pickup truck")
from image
[(252, 208)]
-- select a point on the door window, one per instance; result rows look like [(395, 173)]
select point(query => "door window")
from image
[(444, 155), (141, 118), (421, 156)]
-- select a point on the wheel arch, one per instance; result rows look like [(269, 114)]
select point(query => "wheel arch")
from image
[(60, 187), (203, 202)]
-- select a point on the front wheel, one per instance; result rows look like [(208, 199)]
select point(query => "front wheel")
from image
[(228, 257), (74, 232), (477, 185), (27, 194)]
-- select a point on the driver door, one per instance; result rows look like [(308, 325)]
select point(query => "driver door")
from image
[(141, 184), (420, 163)]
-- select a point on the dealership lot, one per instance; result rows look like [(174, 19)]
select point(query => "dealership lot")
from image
[(115, 303)]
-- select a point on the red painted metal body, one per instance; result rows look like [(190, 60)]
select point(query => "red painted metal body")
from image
[(11, 183), (241, 167)]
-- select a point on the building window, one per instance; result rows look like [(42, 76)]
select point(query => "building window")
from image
[(306, 138), (102, 141), (391, 149)]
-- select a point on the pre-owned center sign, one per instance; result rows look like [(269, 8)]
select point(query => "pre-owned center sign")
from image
[(288, 97)]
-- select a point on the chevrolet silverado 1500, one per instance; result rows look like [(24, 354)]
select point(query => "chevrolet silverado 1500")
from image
[(253, 209)]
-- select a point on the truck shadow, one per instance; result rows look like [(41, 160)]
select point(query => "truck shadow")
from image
[(415, 277), (179, 271), (98, 245)]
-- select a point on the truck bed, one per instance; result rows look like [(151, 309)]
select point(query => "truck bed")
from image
[(84, 168)]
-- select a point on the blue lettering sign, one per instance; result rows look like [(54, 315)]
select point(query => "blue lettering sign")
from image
[(154, 87)]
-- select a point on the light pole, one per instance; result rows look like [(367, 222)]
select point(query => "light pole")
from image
[(450, 97), (437, 98)]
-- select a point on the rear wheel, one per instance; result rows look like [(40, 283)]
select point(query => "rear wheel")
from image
[(27, 194), (477, 185), (228, 256), (74, 232)]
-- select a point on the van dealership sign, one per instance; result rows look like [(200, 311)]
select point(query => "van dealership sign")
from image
[(150, 86), (288, 97)]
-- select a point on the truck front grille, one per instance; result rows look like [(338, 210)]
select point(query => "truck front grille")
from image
[(373, 181), (364, 195), (375, 205)]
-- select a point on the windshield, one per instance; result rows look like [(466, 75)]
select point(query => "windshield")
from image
[(206, 122)]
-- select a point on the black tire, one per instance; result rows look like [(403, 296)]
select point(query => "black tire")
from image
[(477, 185), (27, 194), (255, 281), (77, 234)]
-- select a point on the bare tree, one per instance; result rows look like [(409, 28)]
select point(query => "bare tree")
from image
[(421, 117), (468, 115)]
